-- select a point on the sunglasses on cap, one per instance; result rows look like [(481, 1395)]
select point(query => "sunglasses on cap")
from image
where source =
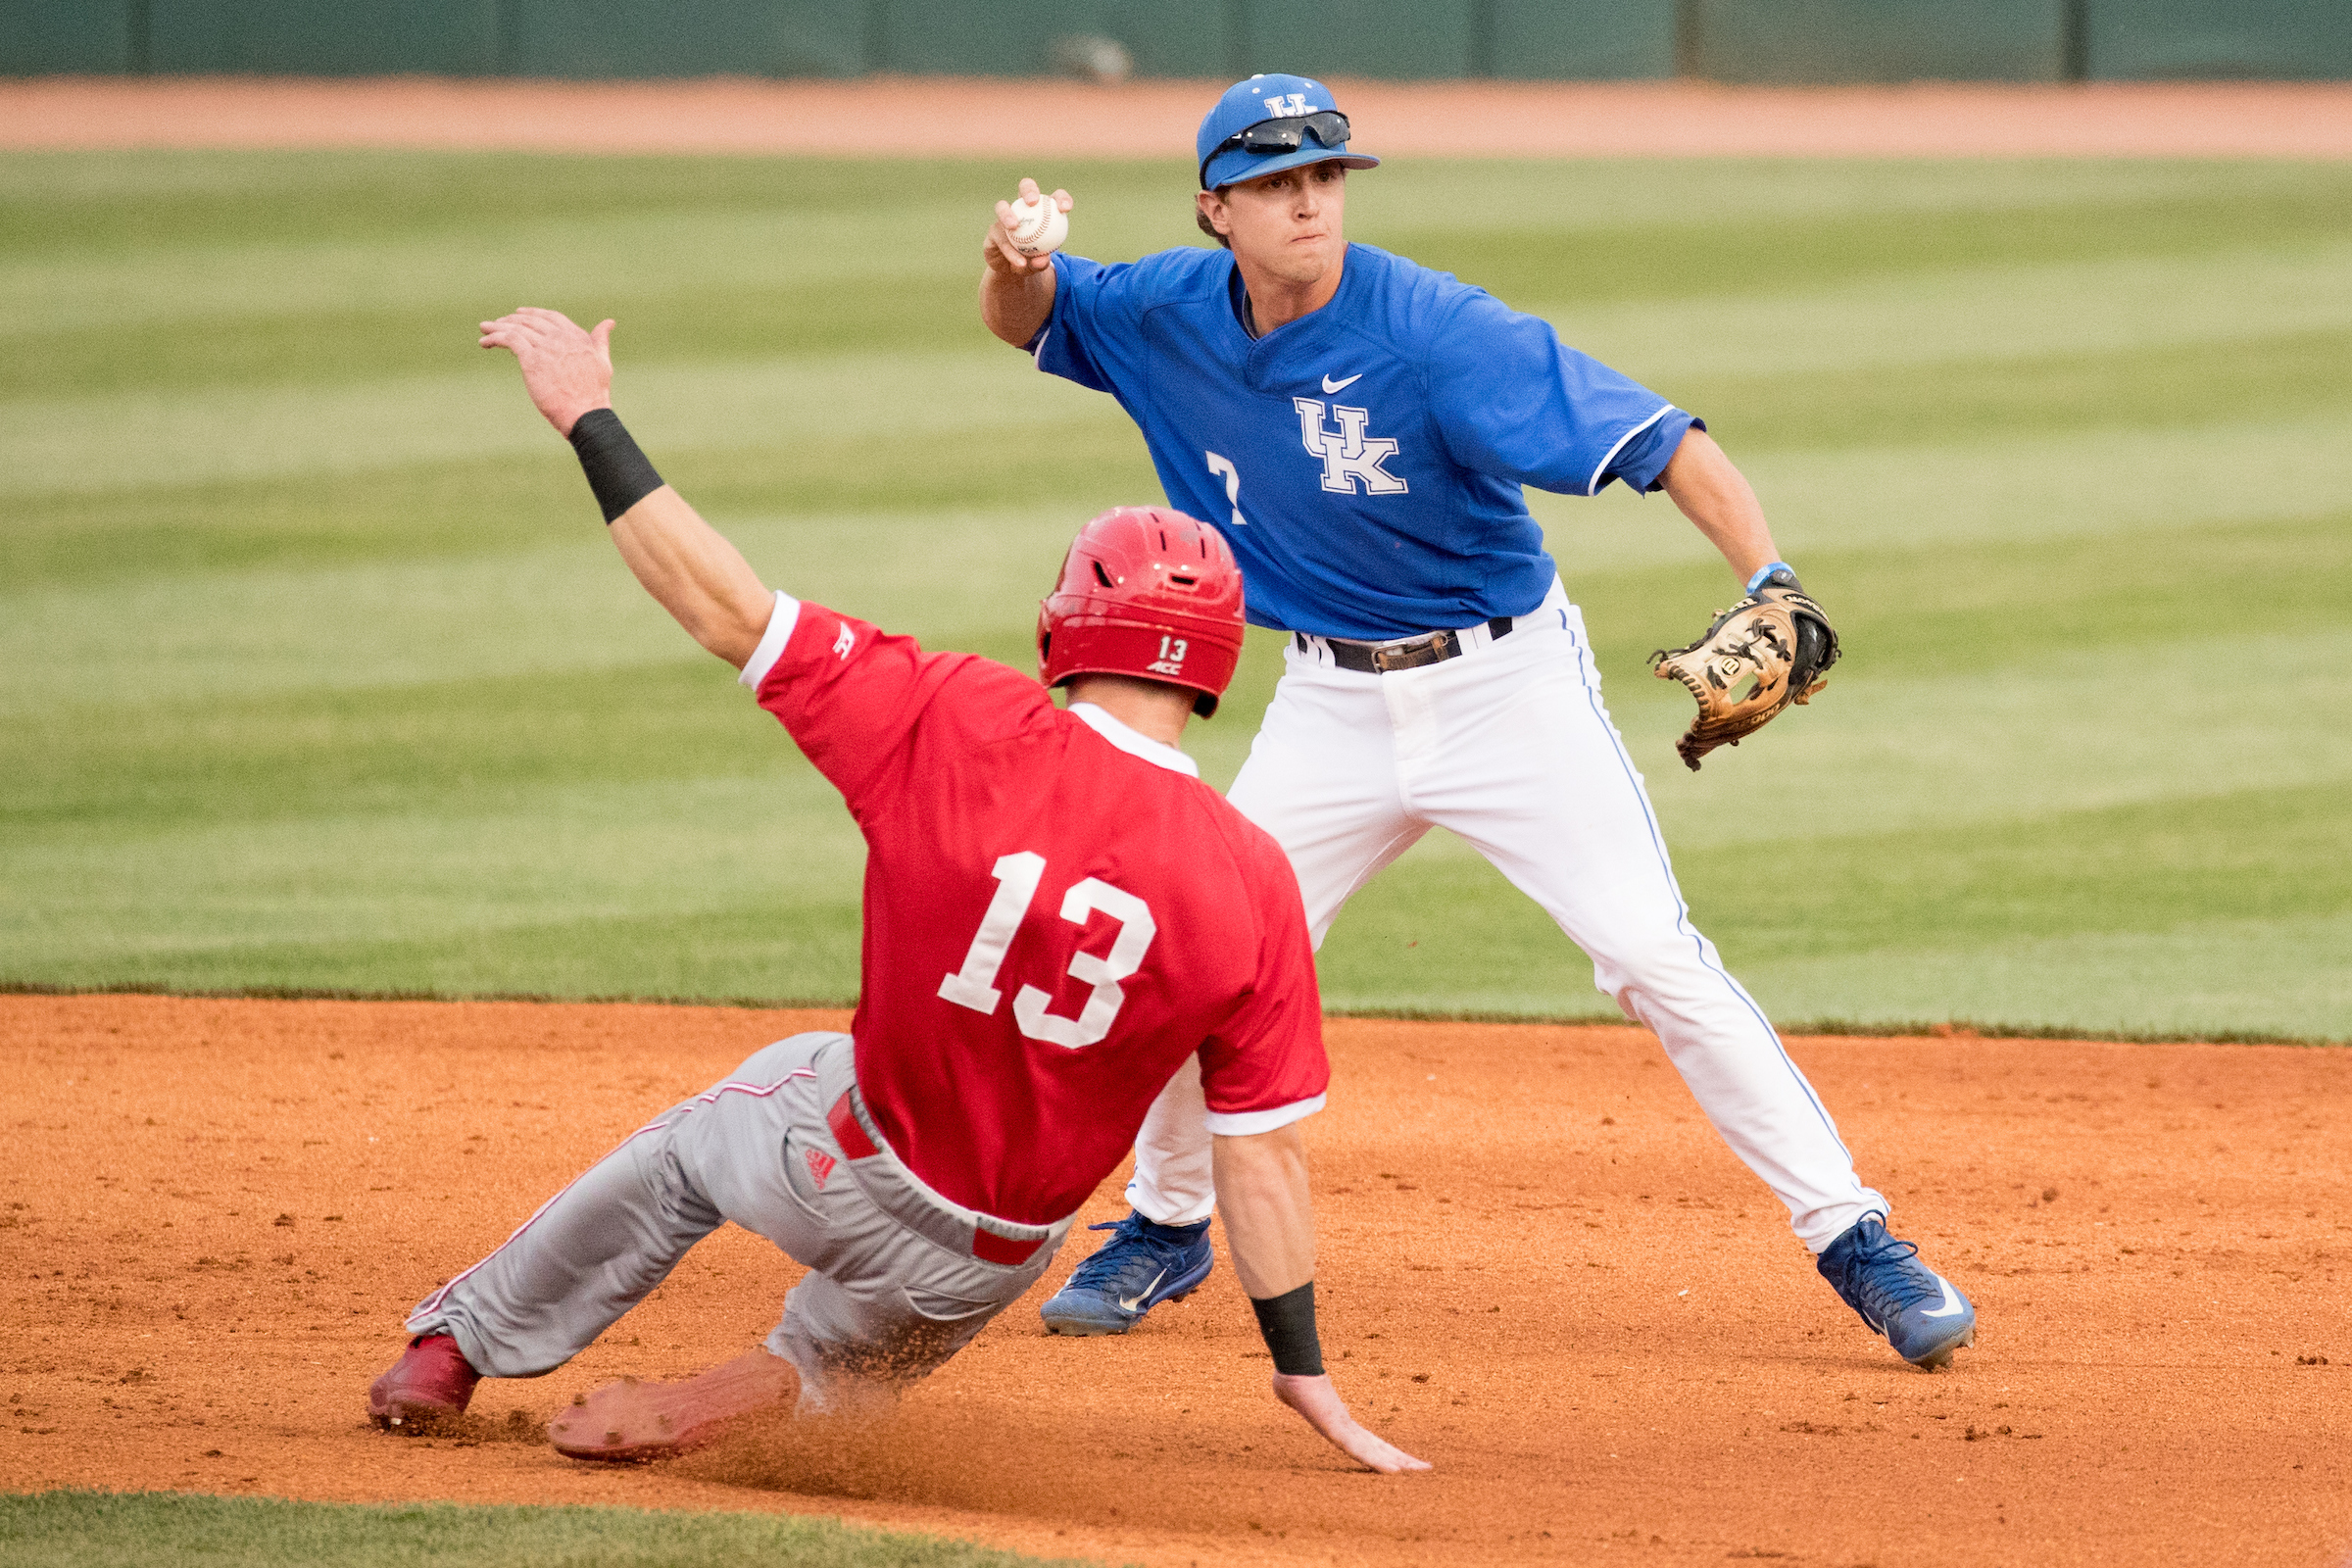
[(1329, 128)]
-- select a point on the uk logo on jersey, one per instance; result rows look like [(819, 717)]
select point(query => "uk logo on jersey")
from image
[(1347, 453)]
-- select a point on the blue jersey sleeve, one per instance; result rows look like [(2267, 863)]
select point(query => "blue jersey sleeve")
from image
[(1512, 400), (1093, 327), (1646, 454)]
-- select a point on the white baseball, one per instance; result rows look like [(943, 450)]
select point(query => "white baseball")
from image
[(1038, 227)]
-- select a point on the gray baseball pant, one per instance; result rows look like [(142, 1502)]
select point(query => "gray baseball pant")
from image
[(900, 1278)]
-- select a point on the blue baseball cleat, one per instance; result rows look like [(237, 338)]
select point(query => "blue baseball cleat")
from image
[(1141, 1266), (1881, 1277)]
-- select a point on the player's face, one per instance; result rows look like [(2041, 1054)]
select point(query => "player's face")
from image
[(1287, 223)]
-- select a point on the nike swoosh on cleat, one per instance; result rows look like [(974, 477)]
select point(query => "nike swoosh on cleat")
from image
[(1131, 1304), (1952, 1304), (1330, 386)]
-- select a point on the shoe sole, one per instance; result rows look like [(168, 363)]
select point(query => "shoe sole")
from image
[(624, 1439), (1940, 1357), (1088, 1328), (631, 1422)]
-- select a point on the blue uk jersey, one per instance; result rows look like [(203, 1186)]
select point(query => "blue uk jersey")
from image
[(1365, 460)]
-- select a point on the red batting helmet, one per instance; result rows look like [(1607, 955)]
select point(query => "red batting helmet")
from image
[(1148, 592)]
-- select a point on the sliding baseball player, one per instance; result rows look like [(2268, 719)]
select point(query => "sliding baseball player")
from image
[(1058, 914)]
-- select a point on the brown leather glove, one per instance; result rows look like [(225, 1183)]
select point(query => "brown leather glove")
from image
[(1769, 649)]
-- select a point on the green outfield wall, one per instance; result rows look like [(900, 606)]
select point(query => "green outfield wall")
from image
[(1730, 40)]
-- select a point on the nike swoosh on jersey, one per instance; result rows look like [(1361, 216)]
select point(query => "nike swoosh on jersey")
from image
[(1330, 386), (1952, 1304), (1130, 1303)]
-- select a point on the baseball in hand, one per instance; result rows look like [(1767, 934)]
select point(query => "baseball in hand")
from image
[(1038, 227)]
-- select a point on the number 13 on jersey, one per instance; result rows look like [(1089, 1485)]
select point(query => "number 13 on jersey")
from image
[(974, 986)]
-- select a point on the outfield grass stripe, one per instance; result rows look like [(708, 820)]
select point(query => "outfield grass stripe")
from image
[(2280, 977), (2084, 729), (761, 235), (2283, 976), (1907, 318), (478, 272), (771, 239), (227, 634), (2081, 484), (1907, 756), (2288, 376), (1533, 201), (763, 231), (559, 605), (648, 850), (2202, 880), (177, 196), (85, 445), (2146, 867), (565, 606), (790, 953), (838, 491), (2084, 483), (1973, 313), (113, 202)]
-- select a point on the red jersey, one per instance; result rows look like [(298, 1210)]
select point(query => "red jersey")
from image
[(1057, 914)]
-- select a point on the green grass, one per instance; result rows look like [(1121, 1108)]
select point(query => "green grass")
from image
[(179, 1530), (315, 675)]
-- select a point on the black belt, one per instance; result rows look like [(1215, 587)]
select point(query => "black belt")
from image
[(1379, 658)]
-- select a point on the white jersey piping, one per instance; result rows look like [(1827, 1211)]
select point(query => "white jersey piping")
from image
[(1592, 485)]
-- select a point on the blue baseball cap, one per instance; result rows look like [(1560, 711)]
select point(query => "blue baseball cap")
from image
[(1253, 102)]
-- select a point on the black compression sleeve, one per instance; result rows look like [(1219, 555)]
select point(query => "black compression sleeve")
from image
[(1288, 1322), (619, 474)]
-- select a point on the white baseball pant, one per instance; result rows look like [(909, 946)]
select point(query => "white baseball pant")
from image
[(1510, 747)]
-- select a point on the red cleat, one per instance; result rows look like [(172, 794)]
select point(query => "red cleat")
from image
[(431, 1381), (631, 1420)]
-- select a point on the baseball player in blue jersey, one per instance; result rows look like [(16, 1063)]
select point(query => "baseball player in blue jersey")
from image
[(1364, 425)]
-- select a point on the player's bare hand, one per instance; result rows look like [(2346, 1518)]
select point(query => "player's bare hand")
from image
[(999, 250), (566, 370), (1320, 1404)]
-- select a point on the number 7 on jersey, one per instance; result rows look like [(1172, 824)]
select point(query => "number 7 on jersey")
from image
[(974, 986)]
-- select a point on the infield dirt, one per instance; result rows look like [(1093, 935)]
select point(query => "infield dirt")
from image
[(1539, 1268), (921, 116)]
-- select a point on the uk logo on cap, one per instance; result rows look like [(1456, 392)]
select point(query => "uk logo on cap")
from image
[(1273, 96)]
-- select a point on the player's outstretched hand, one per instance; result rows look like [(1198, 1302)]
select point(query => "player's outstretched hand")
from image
[(998, 250), (1320, 1404), (566, 371)]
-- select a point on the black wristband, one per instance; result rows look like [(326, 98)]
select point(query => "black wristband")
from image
[(1288, 1322), (617, 470)]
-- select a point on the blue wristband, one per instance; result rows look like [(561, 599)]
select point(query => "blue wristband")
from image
[(1764, 575)]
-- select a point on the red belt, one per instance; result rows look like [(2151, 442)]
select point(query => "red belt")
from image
[(986, 1244), (843, 1119)]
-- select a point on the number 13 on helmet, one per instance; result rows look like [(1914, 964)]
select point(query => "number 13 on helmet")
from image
[(1147, 592)]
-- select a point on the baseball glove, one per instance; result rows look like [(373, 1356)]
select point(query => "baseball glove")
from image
[(1769, 649)]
